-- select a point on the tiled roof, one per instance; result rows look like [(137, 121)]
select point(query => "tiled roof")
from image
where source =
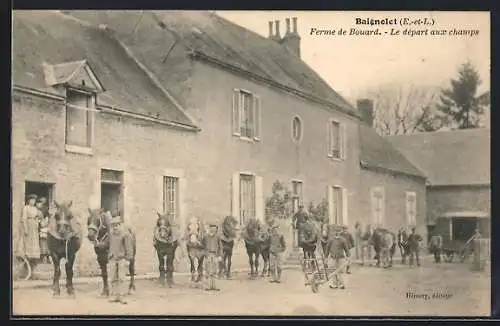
[(460, 157), (42, 37), (377, 152), (151, 34)]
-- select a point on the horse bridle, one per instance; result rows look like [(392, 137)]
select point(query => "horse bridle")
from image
[(98, 229)]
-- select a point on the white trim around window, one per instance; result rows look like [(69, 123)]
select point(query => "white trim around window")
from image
[(411, 207), (377, 204), (301, 129), (251, 130), (86, 150), (337, 154)]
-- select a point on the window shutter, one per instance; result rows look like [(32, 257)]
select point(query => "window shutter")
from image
[(259, 198), (343, 142), (161, 197), (236, 112), (235, 202), (329, 143), (345, 210), (257, 117), (329, 196)]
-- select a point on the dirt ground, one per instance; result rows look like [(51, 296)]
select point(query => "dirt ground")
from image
[(451, 289)]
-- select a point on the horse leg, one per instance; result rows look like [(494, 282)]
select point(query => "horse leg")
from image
[(69, 273), (222, 264), (192, 268), (131, 270), (256, 263), (102, 260), (170, 268), (250, 261), (56, 260), (228, 266), (200, 268), (161, 266)]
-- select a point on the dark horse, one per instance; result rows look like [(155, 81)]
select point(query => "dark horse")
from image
[(404, 248), (384, 244), (165, 242), (64, 239), (227, 234), (257, 243), (308, 239), (98, 233), (195, 231)]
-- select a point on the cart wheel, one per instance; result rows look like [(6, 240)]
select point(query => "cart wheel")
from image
[(314, 287), (21, 269)]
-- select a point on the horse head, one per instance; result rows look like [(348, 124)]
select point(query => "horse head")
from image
[(194, 231), (63, 218), (164, 225), (97, 224), (230, 226)]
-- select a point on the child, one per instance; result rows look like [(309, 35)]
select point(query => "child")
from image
[(120, 251), (276, 249), (350, 244), (213, 255), (44, 229)]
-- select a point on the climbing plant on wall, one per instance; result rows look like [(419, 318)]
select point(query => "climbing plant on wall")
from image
[(279, 204), (319, 212)]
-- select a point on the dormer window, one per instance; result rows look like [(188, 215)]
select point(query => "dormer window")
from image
[(79, 118), (81, 85)]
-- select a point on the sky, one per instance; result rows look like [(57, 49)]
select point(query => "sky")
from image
[(354, 64)]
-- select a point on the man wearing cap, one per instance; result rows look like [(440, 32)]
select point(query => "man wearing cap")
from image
[(276, 249), (120, 252), (338, 250), (414, 240), (298, 219), (213, 255), (350, 244)]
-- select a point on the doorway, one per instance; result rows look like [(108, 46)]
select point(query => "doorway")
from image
[(40, 189), (112, 192)]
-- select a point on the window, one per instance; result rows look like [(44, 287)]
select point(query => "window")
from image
[(247, 197), (337, 205), (336, 140), (171, 196), (296, 129), (411, 208), (79, 117), (246, 115), (297, 195), (112, 191), (377, 200)]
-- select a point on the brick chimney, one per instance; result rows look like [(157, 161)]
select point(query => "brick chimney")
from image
[(365, 108), (292, 39)]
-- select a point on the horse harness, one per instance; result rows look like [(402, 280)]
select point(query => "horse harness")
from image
[(98, 229)]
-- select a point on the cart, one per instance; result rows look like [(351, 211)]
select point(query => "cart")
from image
[(458, 249), (316, 270), (21, 268)]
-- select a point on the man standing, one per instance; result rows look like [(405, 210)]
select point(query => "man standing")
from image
[(366, 252), (414, 240), (358, 242), (213, 255), (436, 246), (350, 244), (121, 251), (276, 249), (298, 219), (339, 251)]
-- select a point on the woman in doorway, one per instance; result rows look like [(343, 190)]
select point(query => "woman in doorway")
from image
[(29, 230)]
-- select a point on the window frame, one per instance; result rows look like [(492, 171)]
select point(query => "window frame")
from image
[(411, 220), (378, 219), (256, 114), (342, 140), (165, 199), (90, 126), (301, 129), (252, 177)]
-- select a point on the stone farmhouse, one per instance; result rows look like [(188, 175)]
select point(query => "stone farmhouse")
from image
[(189, 113)]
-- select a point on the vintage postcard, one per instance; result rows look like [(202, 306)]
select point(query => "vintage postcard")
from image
[(264, 163)]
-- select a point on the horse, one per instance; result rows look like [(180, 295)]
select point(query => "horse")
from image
[(384, 243), (98, 233), (404, 248), (227, 234), (165, 242), (308, 238), (193, 236), (257, 243), (64, 239)]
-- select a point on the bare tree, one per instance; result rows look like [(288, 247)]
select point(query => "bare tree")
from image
[(404, 109)]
